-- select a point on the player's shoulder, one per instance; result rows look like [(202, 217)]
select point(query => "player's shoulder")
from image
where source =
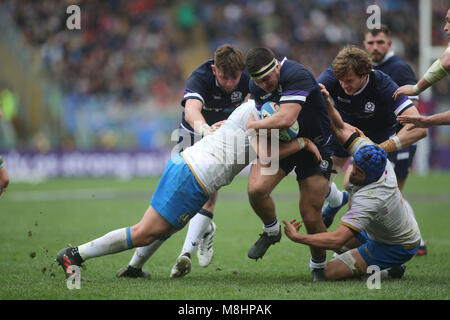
[(203, 71), (382, 81), (294, 69)]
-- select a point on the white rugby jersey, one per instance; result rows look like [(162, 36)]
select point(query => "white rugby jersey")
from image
[(379, 208), (218, 158)]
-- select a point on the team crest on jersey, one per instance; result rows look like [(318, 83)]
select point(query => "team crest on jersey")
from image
[(236, 96), (184, 218), (324, 165), (369, 107)]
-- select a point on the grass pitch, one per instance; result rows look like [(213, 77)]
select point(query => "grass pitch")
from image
[(37, 220)]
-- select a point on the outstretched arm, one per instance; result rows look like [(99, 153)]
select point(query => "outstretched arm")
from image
[(419, 121), (438, 70)]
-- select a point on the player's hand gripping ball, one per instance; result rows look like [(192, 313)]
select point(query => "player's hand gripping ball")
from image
[(288, 134)]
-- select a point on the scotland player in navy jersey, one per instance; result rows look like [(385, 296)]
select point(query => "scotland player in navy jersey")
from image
[(213, 91), (294, 88), (363, 97), (378, 44)]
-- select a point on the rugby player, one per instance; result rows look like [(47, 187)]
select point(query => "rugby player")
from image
[(379, 229), (363, 97), (294, 88), (212, 92)]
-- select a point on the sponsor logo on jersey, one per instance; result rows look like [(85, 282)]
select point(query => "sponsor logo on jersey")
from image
[(369, 107), (344, 100)]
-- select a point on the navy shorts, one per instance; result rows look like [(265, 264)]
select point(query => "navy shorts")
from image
[(306, 166), (384, 255), (402, 160)]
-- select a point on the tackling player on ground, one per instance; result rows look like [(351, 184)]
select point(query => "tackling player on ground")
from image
[(378, 44), (379, 228)]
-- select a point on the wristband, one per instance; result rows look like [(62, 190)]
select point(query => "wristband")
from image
[(301, 142), (397, 142), (204, 129)]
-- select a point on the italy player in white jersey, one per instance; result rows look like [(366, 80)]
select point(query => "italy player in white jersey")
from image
[(188, 180), (379, 229)]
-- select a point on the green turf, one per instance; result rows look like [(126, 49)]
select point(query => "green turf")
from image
[(39, 219)]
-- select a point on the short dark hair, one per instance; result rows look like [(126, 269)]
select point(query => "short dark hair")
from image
[(258, 58), (382, 29), (229, 60)]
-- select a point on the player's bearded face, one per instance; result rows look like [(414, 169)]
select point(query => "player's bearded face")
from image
[(227, 83), (357, 176), (351, 82), (377, 46)]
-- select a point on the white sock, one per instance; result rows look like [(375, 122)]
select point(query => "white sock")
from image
[(112, 242), (142, 254), (197, 228), (384, 274), (317, 265), (335, 196), (272, 228)]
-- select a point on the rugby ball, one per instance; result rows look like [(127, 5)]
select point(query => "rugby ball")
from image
[(288, 134)]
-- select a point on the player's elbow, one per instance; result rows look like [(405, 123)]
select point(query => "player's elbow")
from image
[(338, 241)]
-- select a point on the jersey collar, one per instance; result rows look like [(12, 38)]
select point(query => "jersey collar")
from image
[(364, 86), (389, 55)]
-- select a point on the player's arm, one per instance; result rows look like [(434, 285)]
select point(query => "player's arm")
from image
[(341, 129), (438, 70), (283, 119), (419, 121), (193, 116), (326, 240), (263, 148), (406, 136)]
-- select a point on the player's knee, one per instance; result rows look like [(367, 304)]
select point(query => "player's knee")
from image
[(257, 191), (313, 223)]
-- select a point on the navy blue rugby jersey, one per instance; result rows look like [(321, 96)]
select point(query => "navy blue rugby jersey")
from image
[(398, 70), (297, 85), (372, 109), (217, 105)]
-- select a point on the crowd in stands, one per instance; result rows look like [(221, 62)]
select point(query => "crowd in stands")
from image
[(132, 49)]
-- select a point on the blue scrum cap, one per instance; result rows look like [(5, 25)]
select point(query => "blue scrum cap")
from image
[(372, 160)]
